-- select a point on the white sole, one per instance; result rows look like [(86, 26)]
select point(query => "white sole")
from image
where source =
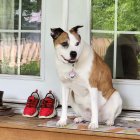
[(53, 114), (29, 116), (48, 117)]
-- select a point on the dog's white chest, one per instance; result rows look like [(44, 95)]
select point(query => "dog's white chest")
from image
[(75, 78), (81, 92), (78, 84), (70, 74)]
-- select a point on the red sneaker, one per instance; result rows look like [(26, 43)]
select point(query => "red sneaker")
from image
[(48, 105), (30, 109)]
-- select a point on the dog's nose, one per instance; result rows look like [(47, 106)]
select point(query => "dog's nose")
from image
[(73, 54)]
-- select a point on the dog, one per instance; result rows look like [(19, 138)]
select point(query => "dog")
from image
[(86, 80)]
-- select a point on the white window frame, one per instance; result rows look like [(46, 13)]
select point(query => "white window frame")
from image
[(19, 31), (129, 89), (115, 33)]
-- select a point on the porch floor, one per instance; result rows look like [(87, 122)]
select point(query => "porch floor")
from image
[(17, 127)]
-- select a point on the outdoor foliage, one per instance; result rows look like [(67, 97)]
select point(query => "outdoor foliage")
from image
[(128, 15), (32, 68)]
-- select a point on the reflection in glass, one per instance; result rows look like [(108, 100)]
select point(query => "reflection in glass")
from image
[(31, 15), (30, 54), (128, 17), (100, 43), (102, 14), (8, 53), (127, 65), (9, 14)]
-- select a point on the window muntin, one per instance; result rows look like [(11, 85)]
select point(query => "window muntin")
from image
[(20, 37), (101, 42), (122, 54)]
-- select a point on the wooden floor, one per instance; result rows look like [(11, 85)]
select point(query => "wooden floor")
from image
[(20, 128)]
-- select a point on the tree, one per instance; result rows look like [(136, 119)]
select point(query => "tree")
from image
[(104, 11)]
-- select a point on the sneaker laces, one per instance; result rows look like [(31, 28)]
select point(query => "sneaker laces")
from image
[(47, 103), (33, 99), (31, 102)]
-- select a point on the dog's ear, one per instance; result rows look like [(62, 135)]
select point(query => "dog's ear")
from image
[(75, 29), (56, 32)]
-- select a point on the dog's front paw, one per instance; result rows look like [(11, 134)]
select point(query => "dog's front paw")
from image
[(93, 125), (61, 123), (78, 120), (109, 122)]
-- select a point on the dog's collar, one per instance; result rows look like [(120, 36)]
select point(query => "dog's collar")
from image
[(72, 74)]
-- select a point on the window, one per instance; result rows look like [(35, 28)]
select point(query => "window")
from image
[(20, 37), (34, 67), (116, 36)]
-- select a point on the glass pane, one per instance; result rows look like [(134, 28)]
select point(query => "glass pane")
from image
[(31, 14), (9, 14), (103, 45), (102, 14), (8, 53), (30, 54), (128, 57), (128, 15)]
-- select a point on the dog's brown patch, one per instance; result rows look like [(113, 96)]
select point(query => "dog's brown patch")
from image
[(62, 38), (100, 77), (77, 36)]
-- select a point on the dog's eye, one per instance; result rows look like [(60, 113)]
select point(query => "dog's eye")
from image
[(77, 43), (65, 44)]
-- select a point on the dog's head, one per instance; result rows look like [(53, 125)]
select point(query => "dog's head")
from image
[(67, 44)]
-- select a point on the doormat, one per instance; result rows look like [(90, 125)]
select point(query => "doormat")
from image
[(125, 124)]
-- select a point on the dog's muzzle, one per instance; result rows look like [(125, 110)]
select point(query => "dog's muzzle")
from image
[(69, 60)]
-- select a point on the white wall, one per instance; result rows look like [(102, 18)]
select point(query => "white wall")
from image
[(130, 93), (79, 14)]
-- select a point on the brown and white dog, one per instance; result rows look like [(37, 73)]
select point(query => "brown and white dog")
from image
[(86, 80)]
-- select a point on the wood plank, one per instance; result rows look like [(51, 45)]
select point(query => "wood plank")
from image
[(21, 134), (18, 127)]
